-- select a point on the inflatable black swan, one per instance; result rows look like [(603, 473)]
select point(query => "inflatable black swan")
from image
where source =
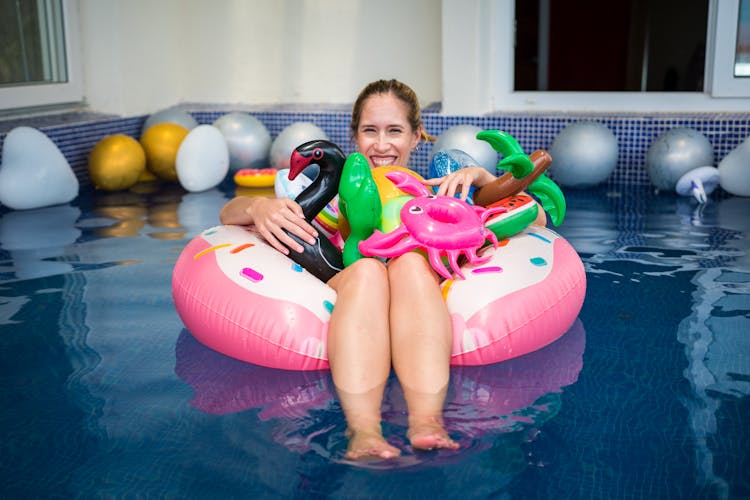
[(322, 259)]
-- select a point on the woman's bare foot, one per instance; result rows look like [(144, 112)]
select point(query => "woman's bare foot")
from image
[(428, 433), (365, 445)]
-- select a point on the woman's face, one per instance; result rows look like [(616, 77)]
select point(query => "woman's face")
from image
[(384, 135)]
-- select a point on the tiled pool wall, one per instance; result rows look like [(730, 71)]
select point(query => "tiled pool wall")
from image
[(634, 132)]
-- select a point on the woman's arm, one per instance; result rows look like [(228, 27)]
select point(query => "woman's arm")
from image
[(273, 218), (462, 180), (238, 211), (471, 176)]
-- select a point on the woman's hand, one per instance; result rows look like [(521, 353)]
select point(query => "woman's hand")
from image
[(271, 217), (461, 180)]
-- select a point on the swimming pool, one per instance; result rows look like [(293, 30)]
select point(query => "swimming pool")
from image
[(105, 394)]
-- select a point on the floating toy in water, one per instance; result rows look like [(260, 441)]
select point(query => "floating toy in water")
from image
[(241, 297), (585, 154), (161, 143), (361, 198), (255, 177), (322, 259), (34, 173), (116, 162), (525, 173), (439, 225), (367, 201), (520, 212), (203, 159), (733, 171), (327, 221), (698, 183)]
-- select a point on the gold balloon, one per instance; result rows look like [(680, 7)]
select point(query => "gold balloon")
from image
[(147, 176), (116, 162), (161, 143)]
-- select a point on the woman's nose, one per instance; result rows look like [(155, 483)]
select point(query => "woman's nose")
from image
[(382, 143)]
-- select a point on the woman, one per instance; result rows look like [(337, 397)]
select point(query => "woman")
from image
[(386, 315)]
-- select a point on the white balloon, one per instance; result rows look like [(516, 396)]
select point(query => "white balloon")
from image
[(734, 170), (34, 173), (203, 159)]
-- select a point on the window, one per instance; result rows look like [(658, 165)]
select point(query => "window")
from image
[(481, 73), (742, 49), (623, 46), (731, 50), (38, 53)]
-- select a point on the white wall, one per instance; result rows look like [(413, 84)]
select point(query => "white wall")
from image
[(142, 55)]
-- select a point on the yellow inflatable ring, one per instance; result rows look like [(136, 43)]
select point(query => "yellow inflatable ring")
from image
[(253, 177)]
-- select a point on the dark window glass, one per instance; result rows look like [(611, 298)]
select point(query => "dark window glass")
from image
[(32, 44), (595, 45)]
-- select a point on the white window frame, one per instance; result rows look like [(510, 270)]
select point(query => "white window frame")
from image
[(478, 61), (720, 79), (46, 94)]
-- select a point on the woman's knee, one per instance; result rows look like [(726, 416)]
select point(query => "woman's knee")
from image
[(412, 269), (368, 274)]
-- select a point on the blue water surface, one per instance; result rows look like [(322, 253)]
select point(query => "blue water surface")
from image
[(105, 394)]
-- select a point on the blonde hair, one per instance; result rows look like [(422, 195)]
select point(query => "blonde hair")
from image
[(399, 90)]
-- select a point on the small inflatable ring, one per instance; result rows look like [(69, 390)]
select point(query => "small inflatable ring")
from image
[(253, 177)]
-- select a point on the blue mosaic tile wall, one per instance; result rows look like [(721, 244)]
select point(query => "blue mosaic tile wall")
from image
[(533, 131)]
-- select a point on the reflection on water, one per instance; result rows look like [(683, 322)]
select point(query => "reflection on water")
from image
[(715, 335), (506, 397), (152, 206), (37, 239), (672, 235), (96, 365)]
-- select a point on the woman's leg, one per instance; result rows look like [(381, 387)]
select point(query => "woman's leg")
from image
[(359, 352), (420, 347)]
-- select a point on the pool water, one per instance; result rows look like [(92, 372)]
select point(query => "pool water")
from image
[(105, 394)]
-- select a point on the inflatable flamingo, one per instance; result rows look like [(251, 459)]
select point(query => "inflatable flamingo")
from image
[(439, 225)]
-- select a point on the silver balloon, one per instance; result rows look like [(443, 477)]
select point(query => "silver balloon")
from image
[(674, 153), (292, 136), (171, 115), (584, 154), (464, 138), (248, 140)]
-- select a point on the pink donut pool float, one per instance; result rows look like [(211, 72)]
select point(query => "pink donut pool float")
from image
[(240, 297)]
